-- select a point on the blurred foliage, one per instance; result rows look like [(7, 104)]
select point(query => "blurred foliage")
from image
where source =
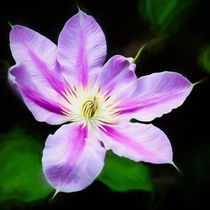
[(122, 174), (21, 170), (204, 58), (164, 15)]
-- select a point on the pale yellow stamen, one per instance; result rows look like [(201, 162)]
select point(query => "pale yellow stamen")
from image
[(89, 108)]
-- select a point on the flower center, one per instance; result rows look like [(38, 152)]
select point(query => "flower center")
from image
[(89, 108)]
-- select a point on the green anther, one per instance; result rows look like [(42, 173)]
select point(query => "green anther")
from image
[(139, 52)]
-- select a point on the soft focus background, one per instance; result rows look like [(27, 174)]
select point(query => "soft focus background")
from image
[(177, 33)]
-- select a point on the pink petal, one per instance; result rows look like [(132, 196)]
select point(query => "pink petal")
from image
[(42, 107), (118, 77), (72, 159), (155, 95), (138, 142), (81, 48), (36, 74), (38, 55)]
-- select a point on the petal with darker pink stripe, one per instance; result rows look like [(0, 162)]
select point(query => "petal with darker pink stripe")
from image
[(155, 95), (44, 107), (81, 49), (117, 77), (138, 142), (72, 159), (38, 55)]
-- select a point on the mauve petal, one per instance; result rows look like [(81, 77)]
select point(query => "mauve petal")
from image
[(72, 159), (25, 43), (43, 107), (155, 95), (117, 77), (138, 142), (81, 48), (38, 55)]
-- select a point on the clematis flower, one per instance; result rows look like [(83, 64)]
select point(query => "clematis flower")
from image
[(69, 82)]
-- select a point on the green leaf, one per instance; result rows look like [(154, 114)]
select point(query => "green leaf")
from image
[(122, 174), (21, 170), (164, 15), (204, 58)]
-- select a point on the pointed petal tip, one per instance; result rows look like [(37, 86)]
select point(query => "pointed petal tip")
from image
[(78, 7), (14, 29), (79, 10), (10, 25), (56, 192), (176, 167), (200, 81)]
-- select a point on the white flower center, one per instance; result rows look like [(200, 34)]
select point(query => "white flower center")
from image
[(90, 106)]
